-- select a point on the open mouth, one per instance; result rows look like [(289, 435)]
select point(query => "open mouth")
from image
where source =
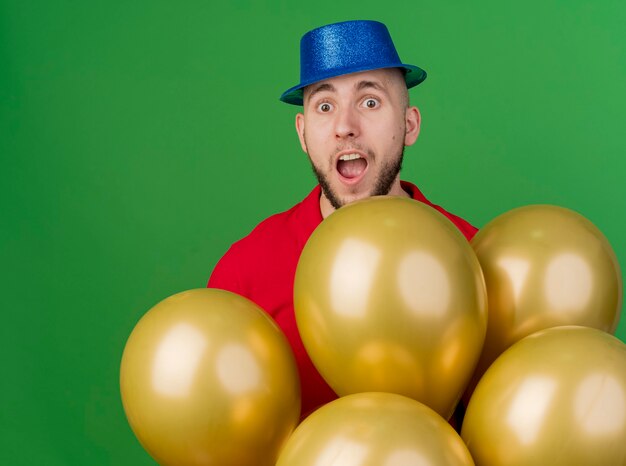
[(351, 167)]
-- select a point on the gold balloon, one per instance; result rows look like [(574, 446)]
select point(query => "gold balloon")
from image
[(207, 378), (545, 266), (557, 397), (389, 297), (374, 429)]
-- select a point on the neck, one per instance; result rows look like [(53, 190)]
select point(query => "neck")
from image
[(326, 207)]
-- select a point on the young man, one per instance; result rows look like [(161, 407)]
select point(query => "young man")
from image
[(355, 124)]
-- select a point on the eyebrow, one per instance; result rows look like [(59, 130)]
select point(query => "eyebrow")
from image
[(320, 88), (359, 86), (370, 85)]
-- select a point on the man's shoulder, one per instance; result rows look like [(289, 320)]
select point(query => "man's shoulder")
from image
[(463, 225), (269, 251), (283, 228), (268, 232)]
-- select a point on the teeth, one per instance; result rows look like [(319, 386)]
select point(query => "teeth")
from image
[(350, 157)]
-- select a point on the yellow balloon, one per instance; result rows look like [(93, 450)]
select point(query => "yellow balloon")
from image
[(374, 429), (557, 397), (545, 266), (389, 297), (207, 378)]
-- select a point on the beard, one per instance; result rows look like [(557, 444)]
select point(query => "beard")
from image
[(382, 185)]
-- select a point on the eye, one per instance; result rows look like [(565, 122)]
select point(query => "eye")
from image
[(371, 103), (324, 107)]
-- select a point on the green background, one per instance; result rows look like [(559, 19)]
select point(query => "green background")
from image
[(139, 139)]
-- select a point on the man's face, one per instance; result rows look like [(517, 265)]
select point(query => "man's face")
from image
[(354, 129)]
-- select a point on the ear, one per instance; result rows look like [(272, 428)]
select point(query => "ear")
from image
[(300, 130), (413, 121)]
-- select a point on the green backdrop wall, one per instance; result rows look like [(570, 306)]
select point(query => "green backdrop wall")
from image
[(139, 139)]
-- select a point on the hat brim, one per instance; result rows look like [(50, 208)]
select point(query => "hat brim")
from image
[(413, 76)]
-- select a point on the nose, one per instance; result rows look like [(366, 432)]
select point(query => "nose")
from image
[(347, 124)]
